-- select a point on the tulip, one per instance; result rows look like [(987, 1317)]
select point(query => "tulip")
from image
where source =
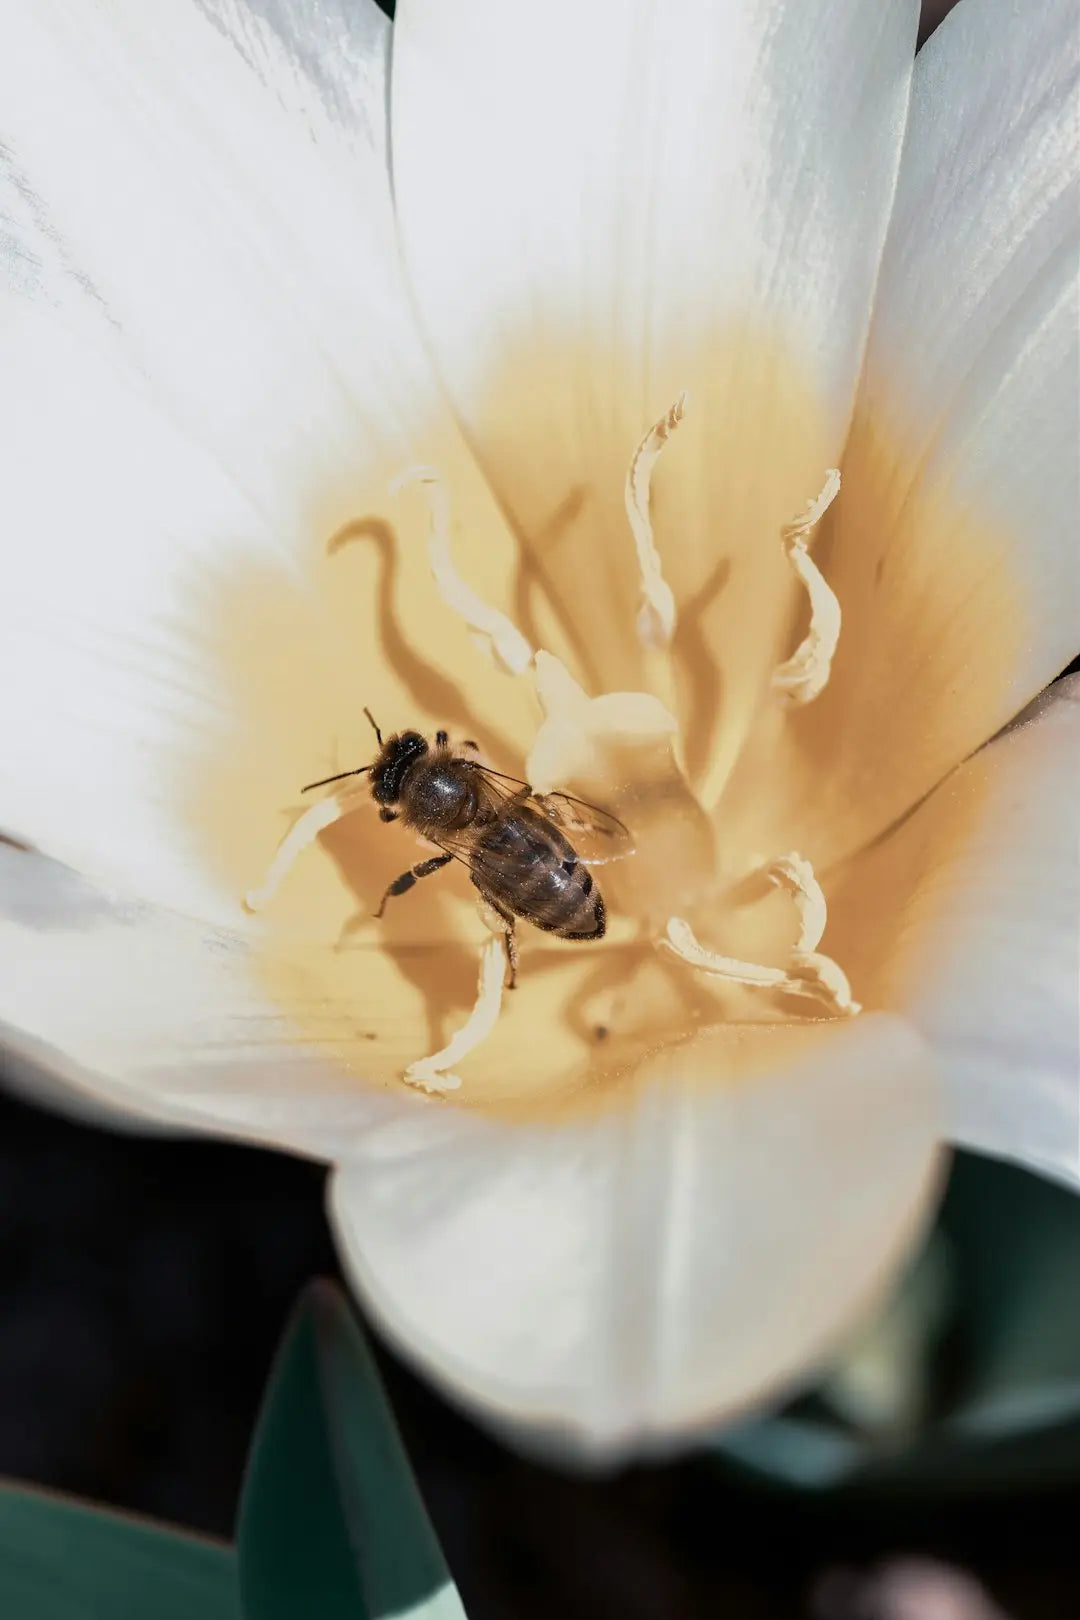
[(678, 400)]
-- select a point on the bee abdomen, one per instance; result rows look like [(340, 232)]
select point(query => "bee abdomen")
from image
[(594, 925), (563, 899), (544, 883)]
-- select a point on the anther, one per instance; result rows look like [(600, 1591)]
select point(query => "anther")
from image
[(804, 675), (682, 940), (299, 837), (435, 1073), (808, 973), (656, 617), (501, 634), (795, 873)]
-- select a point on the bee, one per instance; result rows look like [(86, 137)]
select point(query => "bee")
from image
[(513, 841)]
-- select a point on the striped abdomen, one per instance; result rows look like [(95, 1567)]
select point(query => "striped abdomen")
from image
[(522, 862)]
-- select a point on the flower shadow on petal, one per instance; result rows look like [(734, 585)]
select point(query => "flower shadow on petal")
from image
[(350, 616)]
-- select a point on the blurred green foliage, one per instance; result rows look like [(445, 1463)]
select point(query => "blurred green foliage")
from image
[(969, 1379), (331, 1524), (60, 1560)]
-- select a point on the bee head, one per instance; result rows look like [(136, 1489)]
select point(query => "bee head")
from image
[(389, 770)]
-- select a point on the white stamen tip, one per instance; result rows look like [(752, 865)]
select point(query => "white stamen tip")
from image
[(499, 634), (656, 619), (808, 973), (656, 616), (795, 873), (804, 675), (816, 509), (682, 940), (434, 1074), (819, 976), (300, 835)]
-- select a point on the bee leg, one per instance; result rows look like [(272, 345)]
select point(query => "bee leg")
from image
[(441, 739), (402, 884), (387, 815), (509, 940)]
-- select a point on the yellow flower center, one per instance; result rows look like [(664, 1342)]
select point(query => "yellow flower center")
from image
[(624, 743), (727, 737)]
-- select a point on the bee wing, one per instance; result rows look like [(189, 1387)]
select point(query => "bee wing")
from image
[(596, 835)]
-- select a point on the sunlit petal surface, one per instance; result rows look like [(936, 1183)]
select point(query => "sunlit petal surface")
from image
[(981, 885), (953, 548), (619, 1274), (602, 206), (241, 510)]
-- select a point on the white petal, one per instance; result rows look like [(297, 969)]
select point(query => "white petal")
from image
[(954, 553), (602, 206), (228, 226), (207, 365), (118, 532), (126, 1007), (662, 1261), (979, 890)]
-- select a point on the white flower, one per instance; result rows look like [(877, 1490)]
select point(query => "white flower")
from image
[(656, 1196)]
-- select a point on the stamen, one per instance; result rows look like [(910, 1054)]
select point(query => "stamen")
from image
[(684, 942), (500, 633), (795, 873), (816, 977), (656, 617), (300, 835), (434, 1074), (809, 972), (804, 675)]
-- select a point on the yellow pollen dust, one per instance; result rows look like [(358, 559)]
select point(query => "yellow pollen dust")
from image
[(573, 724)]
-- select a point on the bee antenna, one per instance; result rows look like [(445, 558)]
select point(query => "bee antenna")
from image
[(374, 727), (340, 777)]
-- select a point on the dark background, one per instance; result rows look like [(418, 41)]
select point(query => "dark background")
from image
[(144, 1285)]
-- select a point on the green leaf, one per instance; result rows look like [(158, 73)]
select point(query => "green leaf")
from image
[(1020, 1240), (331, 1521), (1006, 1414), (60, 1560)]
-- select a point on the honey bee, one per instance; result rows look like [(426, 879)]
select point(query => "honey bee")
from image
[(511, 839)]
